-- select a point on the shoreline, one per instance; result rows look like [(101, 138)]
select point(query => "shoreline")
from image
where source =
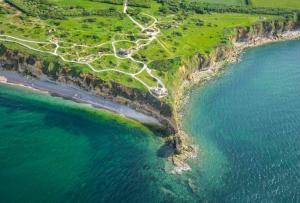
[(199, 77), (70, 92), (182, 144)]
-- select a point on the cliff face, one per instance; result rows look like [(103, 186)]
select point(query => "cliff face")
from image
[(134, 98), (199, 63), (266, 29)]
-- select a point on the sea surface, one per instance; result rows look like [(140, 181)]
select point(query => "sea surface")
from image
[(54, 150), (246, 123)]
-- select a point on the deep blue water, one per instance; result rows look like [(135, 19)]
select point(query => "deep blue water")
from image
[(246, 123)]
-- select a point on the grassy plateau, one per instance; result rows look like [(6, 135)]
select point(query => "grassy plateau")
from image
[(142, 47)]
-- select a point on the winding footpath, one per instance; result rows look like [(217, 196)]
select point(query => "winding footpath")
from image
[(158, 91)]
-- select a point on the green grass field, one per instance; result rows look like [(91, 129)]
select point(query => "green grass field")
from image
[(291, 4), (194, 38)]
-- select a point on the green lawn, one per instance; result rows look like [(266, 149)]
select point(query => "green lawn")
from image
[(189, 38), (292, 4)]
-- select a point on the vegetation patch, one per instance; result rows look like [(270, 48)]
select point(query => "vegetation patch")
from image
[(135, 3)]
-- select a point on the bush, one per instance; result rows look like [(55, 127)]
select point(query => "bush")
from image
[(165, 65), (177, 33), (2, 49), (47, 10), (199, 22), (89, 20), (135, 3)]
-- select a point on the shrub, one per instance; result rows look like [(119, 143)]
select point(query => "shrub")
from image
[(2, 49)]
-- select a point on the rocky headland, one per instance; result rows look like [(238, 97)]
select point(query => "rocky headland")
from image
[(204, 68)]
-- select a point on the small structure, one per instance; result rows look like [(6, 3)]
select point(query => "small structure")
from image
[(159, 92), (123, 52)]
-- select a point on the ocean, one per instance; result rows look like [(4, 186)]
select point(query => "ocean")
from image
[(247, 124)]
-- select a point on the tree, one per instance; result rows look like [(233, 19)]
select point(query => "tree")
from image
[(118, 28)]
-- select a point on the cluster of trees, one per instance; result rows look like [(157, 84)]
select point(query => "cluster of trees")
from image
[(46, 10), (39, 8), (136, 3), (164, 65), (79, 11), (201, 8)]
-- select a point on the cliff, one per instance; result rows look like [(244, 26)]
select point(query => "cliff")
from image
[(203, 67), (136, 99), (263, 29)]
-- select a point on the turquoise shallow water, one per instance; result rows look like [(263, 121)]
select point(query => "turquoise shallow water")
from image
[(52, 150), (246, 123)]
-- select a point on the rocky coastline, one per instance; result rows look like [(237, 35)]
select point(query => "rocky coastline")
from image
[(34, 66), (209, 68), (170, 117)]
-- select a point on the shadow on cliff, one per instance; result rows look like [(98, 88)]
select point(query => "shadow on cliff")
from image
[(165, 151)]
